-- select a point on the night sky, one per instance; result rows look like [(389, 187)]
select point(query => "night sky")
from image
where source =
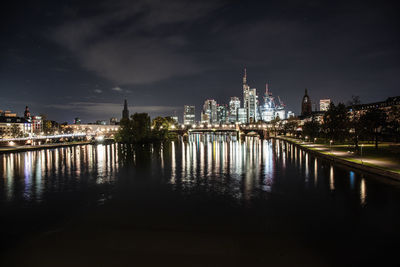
[(81, 59)]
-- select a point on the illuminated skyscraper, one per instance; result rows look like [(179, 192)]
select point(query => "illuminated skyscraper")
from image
[(234, 105), (222, 113), (210, 109), (189, 115), (250, 100)]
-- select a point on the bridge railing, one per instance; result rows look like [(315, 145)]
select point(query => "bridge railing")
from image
[(40, 137), (222, 127)]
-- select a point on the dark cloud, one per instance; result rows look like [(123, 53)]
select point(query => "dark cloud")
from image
[(171, 53), (132, 43)]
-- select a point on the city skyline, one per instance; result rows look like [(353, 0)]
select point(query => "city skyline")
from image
[(67, 62)]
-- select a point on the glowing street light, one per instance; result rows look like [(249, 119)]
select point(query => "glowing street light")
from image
[(330, 145), (362, 145)]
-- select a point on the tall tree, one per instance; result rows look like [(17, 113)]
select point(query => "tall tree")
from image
[(336, 122), (291, 125), (374, 122), (393, 123), (355, 125), (311, 128)]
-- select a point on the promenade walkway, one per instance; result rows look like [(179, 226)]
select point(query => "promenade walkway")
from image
[(340, 152)]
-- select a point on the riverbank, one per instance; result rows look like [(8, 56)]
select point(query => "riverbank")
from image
[(38, 147), (377, 165)]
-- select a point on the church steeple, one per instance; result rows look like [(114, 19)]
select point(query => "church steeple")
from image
[(125, 112), (27, 114), (306, 107)]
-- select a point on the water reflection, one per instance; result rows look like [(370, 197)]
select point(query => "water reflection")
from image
[(331, 179), (244, 170), (28, 175), (363, 192)]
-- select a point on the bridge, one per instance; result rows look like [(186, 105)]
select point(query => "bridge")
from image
[(224, 131), (42, 138)]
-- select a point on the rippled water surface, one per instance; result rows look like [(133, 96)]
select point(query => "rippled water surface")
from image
[(221, 203)]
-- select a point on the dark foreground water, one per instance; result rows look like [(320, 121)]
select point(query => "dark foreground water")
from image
[(258, 203)]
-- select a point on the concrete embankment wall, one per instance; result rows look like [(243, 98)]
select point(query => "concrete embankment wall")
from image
[(365, 168), (47, 146)]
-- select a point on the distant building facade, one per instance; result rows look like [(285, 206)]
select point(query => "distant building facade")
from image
[(37, 124), (175, 118), (222, 114), (9, 124), (210, 109), (189, 115), (234, 105), (324, 104), (250, 100)]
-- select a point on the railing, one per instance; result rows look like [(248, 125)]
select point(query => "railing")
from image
[(44, 137)]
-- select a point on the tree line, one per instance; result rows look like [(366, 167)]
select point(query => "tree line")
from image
[(139, 129), (343, 123)]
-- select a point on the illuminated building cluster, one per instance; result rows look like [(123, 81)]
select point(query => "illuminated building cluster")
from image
[(250, 112)]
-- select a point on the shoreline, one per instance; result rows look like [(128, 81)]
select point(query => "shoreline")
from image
[(366, 168), (4, 150)]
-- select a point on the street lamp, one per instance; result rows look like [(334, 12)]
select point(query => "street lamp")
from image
[(315, 139), (361, 153), (330, 145)]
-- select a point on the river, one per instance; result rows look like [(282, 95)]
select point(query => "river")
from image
[(227, 203)]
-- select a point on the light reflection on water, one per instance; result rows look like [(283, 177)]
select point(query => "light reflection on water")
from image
[(28, 175), (242, 169)]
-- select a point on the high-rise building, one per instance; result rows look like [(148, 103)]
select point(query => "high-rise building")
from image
[(241, 115), (306, 108), (272, 108), (125, 111), (210, 108), (222, 113), (324, 104), (205, 119), (189, 115), (234, 105), (250, 100)]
